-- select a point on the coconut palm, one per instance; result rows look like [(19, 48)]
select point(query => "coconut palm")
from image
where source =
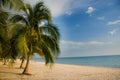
[(8, 31), (43, 40), (16, 4), (6, 42), (3, 31), (4, 35)]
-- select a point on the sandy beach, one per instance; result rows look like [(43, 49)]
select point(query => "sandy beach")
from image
[(58, 72)]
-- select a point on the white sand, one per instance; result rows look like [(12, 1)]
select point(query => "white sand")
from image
[(58, 72)]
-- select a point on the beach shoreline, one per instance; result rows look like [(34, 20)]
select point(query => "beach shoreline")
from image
[(58, 72)]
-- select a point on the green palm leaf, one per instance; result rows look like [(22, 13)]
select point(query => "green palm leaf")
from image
[(41, 12), (18, 18), (51, 43), (51, 30), (48, 55), (17, 4), (21, 45)]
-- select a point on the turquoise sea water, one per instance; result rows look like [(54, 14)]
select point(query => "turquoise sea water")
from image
[(103, 61)]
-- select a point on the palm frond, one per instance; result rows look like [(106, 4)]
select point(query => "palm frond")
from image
[(48, 55), (18, 18), (29, 9), (16, 4), (3, 17), (51, 30), (21, 45), (51, 43), (37, 50), (41, 12), (12, 52)]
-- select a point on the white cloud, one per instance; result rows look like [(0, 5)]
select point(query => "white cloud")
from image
[(68, 12), (113, 22), (112, 32), (33, 2), (89, 48), (57, 7), (90, 10), (68, 7), (89, 43), (60, 7), (101, 18)]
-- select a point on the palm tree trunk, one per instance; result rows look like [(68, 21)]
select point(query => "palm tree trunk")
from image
[(27, 66), (21, 65), (4, 61)]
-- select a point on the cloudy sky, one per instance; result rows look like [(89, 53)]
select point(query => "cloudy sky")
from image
[(88, 27)]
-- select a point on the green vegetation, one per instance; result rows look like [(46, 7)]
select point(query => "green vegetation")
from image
[(22, 35)]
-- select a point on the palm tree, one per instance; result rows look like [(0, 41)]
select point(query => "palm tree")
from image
[(43, 40), (4, 35), (6, 43), (8, 31), (3, 32)]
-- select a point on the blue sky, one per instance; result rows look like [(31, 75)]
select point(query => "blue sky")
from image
[(88, 27)]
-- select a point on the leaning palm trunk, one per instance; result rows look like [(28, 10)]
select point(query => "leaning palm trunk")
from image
[(21, 65), (27, 66), (4, 61)]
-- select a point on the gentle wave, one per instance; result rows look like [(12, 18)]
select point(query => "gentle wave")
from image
[(104, 61)]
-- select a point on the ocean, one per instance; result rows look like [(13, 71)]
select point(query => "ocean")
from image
[(102, 61)]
